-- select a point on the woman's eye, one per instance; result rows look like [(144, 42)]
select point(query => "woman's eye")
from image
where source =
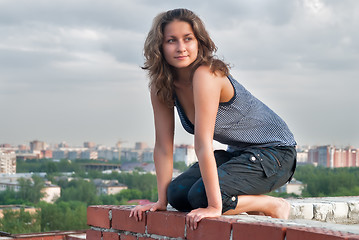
[(188, 39), (170, 40)]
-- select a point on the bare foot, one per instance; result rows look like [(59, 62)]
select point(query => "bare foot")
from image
[(281, 209)]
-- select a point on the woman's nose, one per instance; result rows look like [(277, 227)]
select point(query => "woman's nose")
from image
[(181, 46)]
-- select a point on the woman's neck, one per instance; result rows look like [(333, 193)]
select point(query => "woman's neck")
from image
[(183, 76)]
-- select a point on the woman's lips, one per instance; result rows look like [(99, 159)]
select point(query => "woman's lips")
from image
[(181, 57)]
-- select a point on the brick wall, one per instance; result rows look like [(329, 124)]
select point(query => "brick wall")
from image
[(113, 223)]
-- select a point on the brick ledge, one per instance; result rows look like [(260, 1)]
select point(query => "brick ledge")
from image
[(113, 223)]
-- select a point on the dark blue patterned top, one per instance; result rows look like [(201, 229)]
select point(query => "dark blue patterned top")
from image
[(244, 121)]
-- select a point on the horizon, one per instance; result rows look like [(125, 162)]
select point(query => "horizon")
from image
[(216, 144)]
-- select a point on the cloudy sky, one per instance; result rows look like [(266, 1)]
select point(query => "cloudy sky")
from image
[(70, 70)]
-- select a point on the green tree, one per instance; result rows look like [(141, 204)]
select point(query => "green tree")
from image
[(31, 190), (322, 182), (9, 196), (129, 194), (79, 190), (19, 221), (63, 216), (180, 166)]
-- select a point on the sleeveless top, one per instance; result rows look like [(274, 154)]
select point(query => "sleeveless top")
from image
[(244, 121)]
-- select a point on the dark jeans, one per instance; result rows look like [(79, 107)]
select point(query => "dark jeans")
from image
[(251, 171)]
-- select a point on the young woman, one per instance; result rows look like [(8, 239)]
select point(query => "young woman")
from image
[(212, 105)]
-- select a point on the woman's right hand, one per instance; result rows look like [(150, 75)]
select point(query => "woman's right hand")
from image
[(138, 210)]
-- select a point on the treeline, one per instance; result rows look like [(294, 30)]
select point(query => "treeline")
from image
[(325, 182), (64, 165), (49, 166), (69, 211)]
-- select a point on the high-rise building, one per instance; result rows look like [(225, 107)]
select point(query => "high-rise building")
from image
[(333, 157), (37, 145), (7, 162), (88, 154), (62, 145), (5, 145), (185, 153), (23, 148), (140, 146), (89, 145)]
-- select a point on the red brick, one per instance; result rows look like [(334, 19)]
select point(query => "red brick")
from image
[(128, 237), (93, 235), (258, 231), (211, 229), (166, 223), (314, 234), (110, 236), (98, 216), (122, 221), (352, 237)]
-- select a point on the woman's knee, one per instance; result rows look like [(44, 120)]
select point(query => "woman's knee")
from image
[(197, 197), (177, 197)]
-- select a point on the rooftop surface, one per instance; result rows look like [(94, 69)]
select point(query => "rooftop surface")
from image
[(311, 219)]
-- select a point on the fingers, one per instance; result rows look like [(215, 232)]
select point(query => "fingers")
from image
[(153, 208), (136, 213), (192, 220)]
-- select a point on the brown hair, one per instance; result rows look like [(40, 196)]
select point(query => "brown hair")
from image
[(160, 72)]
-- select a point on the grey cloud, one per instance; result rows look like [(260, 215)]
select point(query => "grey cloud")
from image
[(80, 61), (114, 14), (307, 42)]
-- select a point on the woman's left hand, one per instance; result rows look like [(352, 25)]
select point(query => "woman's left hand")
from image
[(196, 215)]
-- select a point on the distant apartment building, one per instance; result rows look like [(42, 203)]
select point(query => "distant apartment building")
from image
[(140, 146), (147, 155), (27, 156), (5, 145), (62, 145), (108, 154), (7, 162), (302, 157), (108, 187), (51, 192), (89, 154), (37, 145), (141, 153), (23, 148), (89, 145), (73, 154), (294, 186), (59, 154), (129, 154), (333, 157), (185, 153)]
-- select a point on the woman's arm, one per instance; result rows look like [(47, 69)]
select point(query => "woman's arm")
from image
[(207, 89), (163, 150), (163, 155)]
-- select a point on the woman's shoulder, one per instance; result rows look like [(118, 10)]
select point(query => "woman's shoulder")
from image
[(203, 69), (205, 72)]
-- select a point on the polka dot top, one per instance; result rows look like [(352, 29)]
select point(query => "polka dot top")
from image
[(244, 121)]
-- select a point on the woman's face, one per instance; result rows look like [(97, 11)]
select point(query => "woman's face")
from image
[(180, 46)]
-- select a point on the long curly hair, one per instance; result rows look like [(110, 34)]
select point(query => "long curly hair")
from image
[(161, 74)]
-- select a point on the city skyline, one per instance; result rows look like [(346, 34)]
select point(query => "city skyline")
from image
[(70, 70), (144, 145)]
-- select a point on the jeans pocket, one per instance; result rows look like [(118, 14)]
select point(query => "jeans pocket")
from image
[(267, 160)]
